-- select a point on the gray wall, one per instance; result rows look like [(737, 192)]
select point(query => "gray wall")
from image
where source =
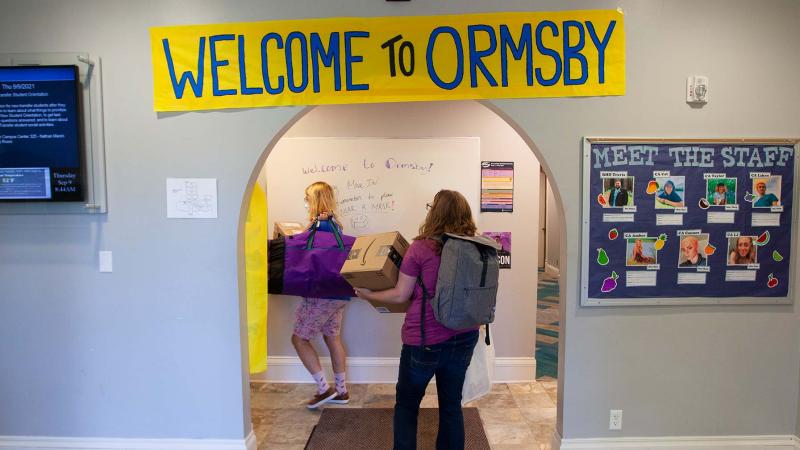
[(514, 329), (153, 350)]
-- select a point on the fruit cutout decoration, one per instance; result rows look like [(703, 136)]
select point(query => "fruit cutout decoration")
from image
[(613, 234), (602, 257), (659, 243), (610, 283), (703, 203), (777, 256), (601, 199), (772, 281), (762, 239), (748, 197), (710, 249), (652, 187)]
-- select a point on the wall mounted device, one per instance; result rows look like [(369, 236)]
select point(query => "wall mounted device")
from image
[(697, 89)]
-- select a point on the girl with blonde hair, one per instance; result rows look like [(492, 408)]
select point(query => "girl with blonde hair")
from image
[(321, 315)]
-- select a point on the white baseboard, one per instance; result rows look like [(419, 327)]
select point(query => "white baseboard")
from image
[(56, 443), (551, 270), (289, 369), (251, 442), (681, 442)]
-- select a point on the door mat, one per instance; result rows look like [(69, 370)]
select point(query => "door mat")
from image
[(371, 429)]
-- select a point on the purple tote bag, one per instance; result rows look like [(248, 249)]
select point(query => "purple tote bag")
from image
[(308, 264)]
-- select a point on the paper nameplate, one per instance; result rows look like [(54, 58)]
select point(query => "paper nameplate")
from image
[(639, 278), (617, 217), (691, 278), (669, 219), (740, 275), (721, 217), (766, 220)]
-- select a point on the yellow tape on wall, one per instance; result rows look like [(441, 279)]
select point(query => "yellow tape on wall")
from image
[(388, 59), (255, 250)]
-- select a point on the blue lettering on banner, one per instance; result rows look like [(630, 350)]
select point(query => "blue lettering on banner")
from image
[(328, 58), (349, 59), (459, 58), (525, 45), (243, 73), (548, 52), (476, 56), (217, 63), (301, 38), (265, 63), (195, 82), (306, 55), (601, 45), (574, 52)]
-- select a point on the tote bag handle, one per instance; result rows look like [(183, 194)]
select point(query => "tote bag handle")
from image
[(336, 234)]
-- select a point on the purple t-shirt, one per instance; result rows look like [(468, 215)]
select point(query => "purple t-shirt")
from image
[(421, 258)]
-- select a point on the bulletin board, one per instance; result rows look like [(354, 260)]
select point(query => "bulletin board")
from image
[(678, 221)]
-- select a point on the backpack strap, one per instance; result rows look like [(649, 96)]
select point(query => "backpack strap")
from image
[(485, 260), (422, 312)]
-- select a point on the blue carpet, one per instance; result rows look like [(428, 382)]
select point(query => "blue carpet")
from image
[(547, 330)]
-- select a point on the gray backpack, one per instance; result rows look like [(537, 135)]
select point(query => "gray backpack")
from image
[(466, 290)]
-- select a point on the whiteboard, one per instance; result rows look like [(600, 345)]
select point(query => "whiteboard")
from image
[(382, 184)]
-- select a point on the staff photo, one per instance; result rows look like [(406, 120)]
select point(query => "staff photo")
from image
[(767, 192), (671, 192), (618, 192), (742, 251), (721, 191)]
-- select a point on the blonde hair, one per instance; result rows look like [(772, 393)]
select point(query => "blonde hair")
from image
[(449, 213), (321, 199)]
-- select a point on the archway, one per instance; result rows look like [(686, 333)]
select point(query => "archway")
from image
[(491, 109)]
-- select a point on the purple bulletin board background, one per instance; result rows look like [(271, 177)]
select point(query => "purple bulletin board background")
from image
[(603, 258)]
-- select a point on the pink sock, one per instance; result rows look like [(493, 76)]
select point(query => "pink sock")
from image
[(341, 387), (322, 385)]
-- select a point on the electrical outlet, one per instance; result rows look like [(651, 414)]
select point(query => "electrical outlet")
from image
[(615, 419), (106, 261)]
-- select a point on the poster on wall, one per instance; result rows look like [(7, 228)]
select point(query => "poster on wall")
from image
[(503, 238), (687, 222), (497, 186), (191, 198)]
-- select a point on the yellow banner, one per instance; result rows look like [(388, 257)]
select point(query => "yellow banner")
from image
[(388, 59)]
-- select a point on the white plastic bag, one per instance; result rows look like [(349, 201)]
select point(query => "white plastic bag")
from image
[(478, 381)]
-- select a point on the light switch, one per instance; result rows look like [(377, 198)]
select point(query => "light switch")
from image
[(106, 263)]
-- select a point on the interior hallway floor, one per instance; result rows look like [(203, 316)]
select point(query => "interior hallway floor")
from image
[(515, 416)]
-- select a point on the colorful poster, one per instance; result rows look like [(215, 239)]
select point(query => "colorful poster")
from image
[(497, 186), (687, 221), (504, 254), (343, 60)]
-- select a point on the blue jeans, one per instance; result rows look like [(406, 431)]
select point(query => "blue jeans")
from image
[(448, 361)]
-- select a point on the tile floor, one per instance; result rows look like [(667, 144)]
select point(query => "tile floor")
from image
[(515, 416)]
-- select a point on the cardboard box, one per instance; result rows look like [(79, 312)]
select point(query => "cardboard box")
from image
[(287, 229), (374, 263)]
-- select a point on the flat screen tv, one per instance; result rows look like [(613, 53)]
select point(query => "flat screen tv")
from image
[(41, 151)]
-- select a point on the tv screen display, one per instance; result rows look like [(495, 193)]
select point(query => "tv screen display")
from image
[(41, 155)]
